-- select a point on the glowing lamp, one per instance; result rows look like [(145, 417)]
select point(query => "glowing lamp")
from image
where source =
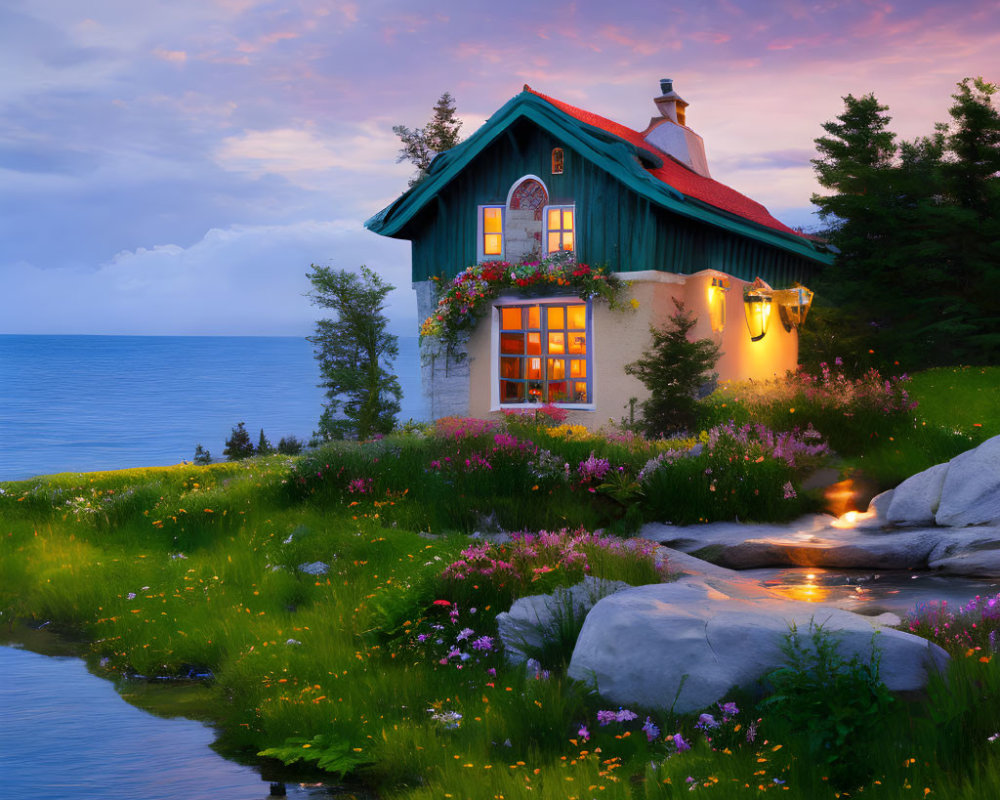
[(793, 305), (717, 303), (757, 306)]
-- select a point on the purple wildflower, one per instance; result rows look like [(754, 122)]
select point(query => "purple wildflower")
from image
[(606, 717), (652, 732), (465, 633), (483, 643), (729, 709), (583, 733), (680, 744), (624, 715), (707, 722)]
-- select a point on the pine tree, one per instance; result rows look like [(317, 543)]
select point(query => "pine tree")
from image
[(673, 370), (420, 145), (263, 445), (238, 445), (355, 352), (972, 181), (202, 456)]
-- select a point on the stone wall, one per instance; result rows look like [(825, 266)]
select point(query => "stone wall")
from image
[(444, 381)]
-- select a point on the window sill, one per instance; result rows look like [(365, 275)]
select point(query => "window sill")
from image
[(529, 406)]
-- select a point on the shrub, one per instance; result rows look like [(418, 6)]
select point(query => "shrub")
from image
[(837, 706), (747, 472), (850, 413)]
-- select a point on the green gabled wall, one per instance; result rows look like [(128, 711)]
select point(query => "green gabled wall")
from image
[(616, 227)]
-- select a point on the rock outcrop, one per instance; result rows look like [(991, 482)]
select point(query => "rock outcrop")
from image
[(684, 645)]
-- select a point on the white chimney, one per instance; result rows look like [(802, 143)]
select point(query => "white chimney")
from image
[(669, 132)]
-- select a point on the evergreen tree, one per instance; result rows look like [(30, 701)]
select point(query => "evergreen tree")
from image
[(263, 445), (420, 145), (673, 370), (290, 445), (238, 445), (972, 181), (355, 352), (202, 456)]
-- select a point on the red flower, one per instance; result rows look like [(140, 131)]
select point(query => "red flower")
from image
[(442, 602)]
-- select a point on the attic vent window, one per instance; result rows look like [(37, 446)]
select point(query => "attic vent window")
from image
[(557, 161)]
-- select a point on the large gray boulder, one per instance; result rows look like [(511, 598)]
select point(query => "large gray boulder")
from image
[(685, 644), (968, 551), (971, 491), (915, 501), (532, 620)]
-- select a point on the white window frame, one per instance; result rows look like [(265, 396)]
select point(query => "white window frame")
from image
[(506, 301), (481, 254), (545, 227)]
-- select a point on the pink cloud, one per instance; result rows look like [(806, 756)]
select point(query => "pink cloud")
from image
[(709, 37), (173, 56)]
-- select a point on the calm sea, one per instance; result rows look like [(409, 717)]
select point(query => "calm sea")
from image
[(84, 403)]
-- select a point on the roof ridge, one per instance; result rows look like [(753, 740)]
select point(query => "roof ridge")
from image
[(693, 185)]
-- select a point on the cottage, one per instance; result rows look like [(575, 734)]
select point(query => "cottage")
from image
[(541, 180)]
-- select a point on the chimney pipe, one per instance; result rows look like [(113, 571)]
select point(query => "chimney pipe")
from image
[(666, 85)]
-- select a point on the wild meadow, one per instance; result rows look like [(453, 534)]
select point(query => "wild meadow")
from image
[(339, 607)]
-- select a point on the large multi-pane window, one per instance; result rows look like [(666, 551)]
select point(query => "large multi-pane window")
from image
[(544, 353)]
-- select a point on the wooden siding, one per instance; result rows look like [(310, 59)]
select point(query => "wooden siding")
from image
[(616, 227)]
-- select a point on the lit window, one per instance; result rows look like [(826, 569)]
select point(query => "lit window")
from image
[(543, 354), (560, 229), (557, 161), (490, 232)]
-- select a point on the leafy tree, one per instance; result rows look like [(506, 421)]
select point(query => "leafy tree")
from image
[(238, 445), (263, 445), (202, 456), (355, 352), (673, 370), (420, 145)]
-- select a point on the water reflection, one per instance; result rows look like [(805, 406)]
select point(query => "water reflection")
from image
[(66, 735), (867, 592)]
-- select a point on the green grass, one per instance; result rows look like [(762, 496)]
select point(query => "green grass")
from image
[(170, 571)]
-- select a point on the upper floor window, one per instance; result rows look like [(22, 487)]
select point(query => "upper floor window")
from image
[(557, 160), (560, 229), (490, 232)]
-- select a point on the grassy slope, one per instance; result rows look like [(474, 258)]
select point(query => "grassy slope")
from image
[(958, 408), (302, 656)]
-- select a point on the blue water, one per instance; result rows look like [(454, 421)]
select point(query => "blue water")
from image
[(84, 403), (66, 735)]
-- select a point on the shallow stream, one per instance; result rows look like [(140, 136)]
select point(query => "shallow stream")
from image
[(872, 592)]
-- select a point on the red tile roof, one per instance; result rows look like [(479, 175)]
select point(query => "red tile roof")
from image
[(674, 174)]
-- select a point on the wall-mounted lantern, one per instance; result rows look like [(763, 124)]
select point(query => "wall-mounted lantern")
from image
[(717, 303), (757, 306), (793, 305)]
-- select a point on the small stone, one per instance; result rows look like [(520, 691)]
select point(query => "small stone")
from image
[(314, 568)]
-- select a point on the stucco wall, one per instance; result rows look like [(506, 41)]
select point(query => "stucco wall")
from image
[(620, 337)]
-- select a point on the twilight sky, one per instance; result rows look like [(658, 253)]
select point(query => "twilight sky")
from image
[(175, 166)]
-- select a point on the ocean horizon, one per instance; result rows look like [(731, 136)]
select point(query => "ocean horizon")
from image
[(78, 403)]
